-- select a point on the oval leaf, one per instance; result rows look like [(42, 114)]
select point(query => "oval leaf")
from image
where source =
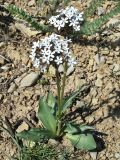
[(45, 115), (35, 134), (51, 100), (68, 101), (82, 141)]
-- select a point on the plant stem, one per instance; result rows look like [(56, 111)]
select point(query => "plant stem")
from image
[(58, 92), (63, 83)]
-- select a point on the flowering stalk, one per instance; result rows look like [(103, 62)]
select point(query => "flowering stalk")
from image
[(54, 50), (64, 80), (58, 92)]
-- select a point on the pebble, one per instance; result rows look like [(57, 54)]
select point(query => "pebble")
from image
[(99, 59), (60, 68), (12, 87), (95, 101), (117, 155), (22, 127), (29, 80), (31, 3), (98, 82), (100, 11), (90, 119), (6, 67), (1, 96), (105, 52), (2, 61), (116, 68), (93, 155), (70, 70)]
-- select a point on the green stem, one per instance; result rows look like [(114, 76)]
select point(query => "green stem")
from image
[(63, 83), (58, 92)]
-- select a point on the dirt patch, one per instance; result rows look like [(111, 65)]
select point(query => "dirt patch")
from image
[(98, 65)]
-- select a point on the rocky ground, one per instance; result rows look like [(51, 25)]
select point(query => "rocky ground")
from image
[(98, 66)]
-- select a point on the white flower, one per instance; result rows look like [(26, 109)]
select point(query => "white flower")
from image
[(59, 24), (71, 61), (70, 16), (51, 50), (52, 20), (35, 45), (58, 60), (43, 69), (77, 28), (58, 48), (73, 23), (46, 59), (36, 63)]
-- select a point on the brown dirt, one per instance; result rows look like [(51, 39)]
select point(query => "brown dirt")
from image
[(100, 106)]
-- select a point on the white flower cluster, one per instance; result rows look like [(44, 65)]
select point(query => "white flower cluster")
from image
[(51, 50), (69, 16)]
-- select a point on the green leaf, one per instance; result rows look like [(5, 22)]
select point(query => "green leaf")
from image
[(89, 28), (75, 128), (35, 134), (45, 115), (92, 7), (51, 100), (68, 101), (85, 127), (82, 141)]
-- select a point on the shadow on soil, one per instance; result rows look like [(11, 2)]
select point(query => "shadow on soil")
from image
[(86, 111)]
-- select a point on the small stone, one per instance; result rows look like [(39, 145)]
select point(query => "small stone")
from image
[(25, 59), (6, 67), (91, 62), (109, 86), (51, 71), (29, 80), (95, 101), (93, 155), (93, 92), (99, 59), (2, 61), (31, 3), (70, 70), (2, 44), (105, 111), (17, 80), (53, 142), (90, 119), (117, 73), (12, 88), (105, 52), (22, 127), (100, 76), (117, 155), (1, 97), (98, 82), (116, 68), (60, 68), (80, 104), (101, 11), (16, 93)]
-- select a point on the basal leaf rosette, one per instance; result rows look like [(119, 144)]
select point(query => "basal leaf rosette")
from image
[(52, 50), (69, 17)]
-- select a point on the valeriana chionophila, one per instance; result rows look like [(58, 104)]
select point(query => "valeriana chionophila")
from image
[(69, 16), (51, 50)]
